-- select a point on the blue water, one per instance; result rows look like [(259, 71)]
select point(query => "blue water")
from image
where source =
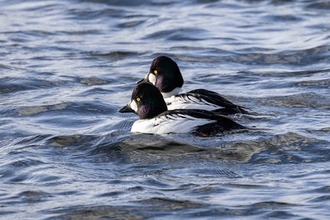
[(68, 66)]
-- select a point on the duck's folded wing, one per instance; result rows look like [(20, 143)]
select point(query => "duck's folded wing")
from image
[(213, 123), (216, 99), (200, 122), (178, 121)]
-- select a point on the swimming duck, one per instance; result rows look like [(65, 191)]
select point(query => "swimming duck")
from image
[(166, 76), (148, 103)]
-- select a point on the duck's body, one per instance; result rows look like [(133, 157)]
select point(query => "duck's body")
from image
[(149, 104), (203, 99), (200, 122), (166, 76)]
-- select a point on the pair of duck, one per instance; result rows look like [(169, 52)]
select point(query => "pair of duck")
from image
[(156, 100)]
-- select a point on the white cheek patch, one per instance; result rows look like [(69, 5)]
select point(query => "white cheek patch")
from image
[(133, 105), (152, 78)]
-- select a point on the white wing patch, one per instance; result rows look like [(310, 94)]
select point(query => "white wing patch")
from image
[(189, 102), (178, 123)]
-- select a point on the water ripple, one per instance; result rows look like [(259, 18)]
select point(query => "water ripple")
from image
[(67, 67)]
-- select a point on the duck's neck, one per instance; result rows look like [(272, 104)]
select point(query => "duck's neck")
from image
[(175, 91)]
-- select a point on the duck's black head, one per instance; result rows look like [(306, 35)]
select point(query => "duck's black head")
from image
[(165, 74), (146, 101)]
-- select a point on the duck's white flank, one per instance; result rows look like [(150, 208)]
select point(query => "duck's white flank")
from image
[(172, 123)]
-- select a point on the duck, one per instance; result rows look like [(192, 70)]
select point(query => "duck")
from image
[(155, 118), (165, 74)]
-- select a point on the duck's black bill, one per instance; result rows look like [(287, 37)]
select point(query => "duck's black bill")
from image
[(126, 109)]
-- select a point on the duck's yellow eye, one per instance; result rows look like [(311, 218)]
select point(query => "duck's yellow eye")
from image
[(138, 99), (155, 72)]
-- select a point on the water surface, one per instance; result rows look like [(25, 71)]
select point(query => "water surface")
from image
[(68, 66)]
